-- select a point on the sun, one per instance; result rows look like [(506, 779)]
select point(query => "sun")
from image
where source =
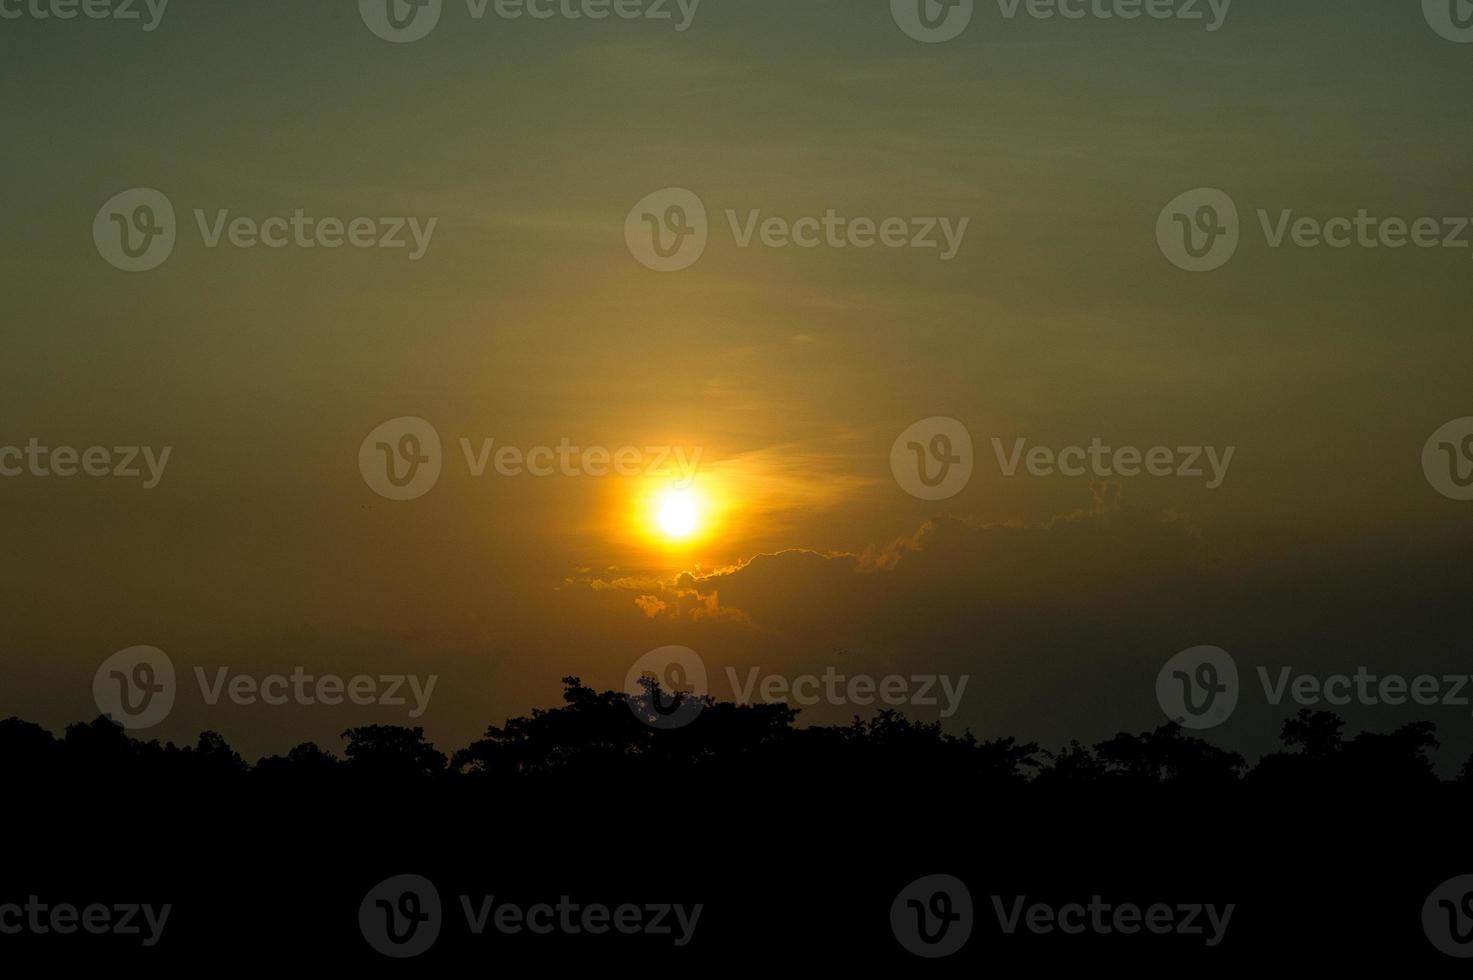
[(678, 513)]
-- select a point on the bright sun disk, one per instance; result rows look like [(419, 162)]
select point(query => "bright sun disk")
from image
[(679, 513)]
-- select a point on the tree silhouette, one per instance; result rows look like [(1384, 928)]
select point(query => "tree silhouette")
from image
[(603, 740), (1168, 755), (1319, 757), (389, 752)]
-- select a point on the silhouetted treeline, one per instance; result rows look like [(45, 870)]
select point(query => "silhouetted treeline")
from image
[(595, 737)]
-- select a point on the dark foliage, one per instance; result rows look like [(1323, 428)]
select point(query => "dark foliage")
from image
[(595, 738)]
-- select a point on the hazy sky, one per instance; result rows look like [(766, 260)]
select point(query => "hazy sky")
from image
[(793, 370)]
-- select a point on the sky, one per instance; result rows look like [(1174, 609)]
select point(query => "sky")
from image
[(792, 371)]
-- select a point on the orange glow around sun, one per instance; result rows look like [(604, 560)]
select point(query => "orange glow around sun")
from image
[(677, 514)]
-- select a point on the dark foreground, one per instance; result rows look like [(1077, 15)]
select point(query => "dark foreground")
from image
[(581, 837)]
